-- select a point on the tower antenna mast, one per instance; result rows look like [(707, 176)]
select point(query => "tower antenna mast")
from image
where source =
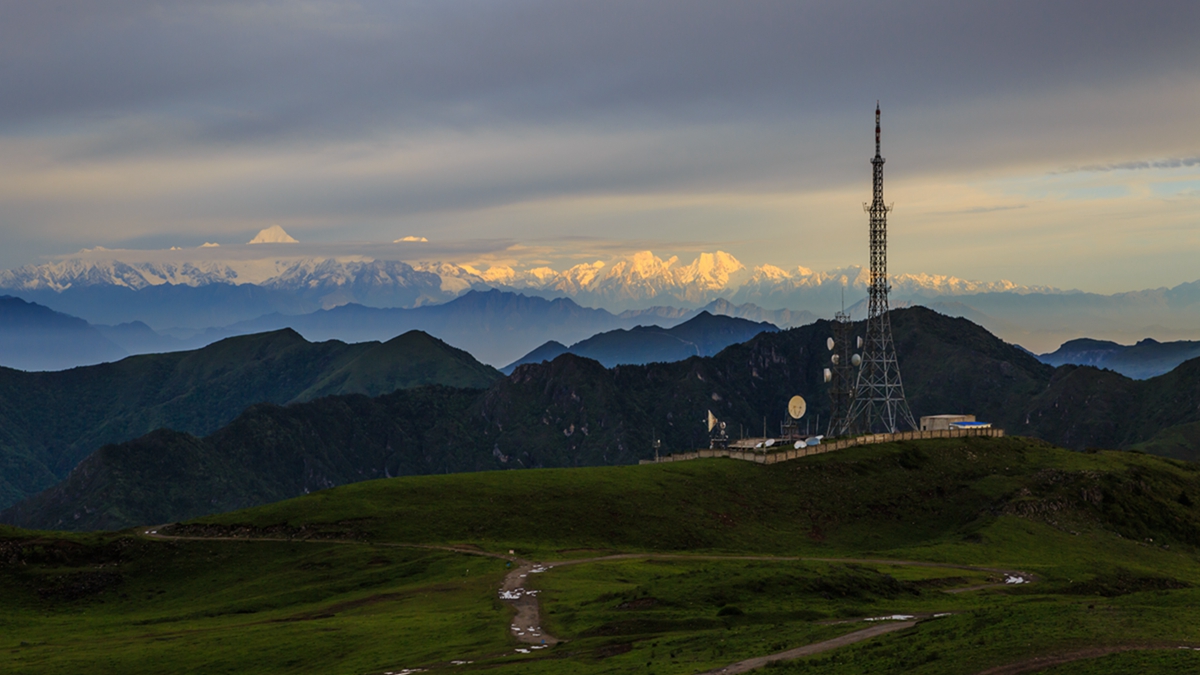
[(879, 403)]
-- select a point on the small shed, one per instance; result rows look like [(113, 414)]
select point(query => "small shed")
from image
[(943, 422)]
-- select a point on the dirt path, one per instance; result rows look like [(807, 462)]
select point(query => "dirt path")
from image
[(527, 623), (814, 648)]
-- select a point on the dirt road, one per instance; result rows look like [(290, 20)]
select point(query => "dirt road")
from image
[(814, 648)]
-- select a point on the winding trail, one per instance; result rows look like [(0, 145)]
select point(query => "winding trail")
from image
[(814, 648), (526, 625)]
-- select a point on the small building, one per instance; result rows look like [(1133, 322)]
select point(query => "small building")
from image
[(943, 422)]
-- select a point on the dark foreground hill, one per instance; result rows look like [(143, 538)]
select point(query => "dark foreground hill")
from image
[(50, 421), (267, 454), (722, 561), (574, 412), (703, 335)]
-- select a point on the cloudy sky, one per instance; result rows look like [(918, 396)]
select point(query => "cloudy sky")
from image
[(1038, 141)]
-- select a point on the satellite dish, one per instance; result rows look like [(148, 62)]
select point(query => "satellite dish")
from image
[(860, 342), (829, 343), (828, 375), (835, 358), (712, 421), (769, 443), (856, 360), (798, 445), (796, 407)]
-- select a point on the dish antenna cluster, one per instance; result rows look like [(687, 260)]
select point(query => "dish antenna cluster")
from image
[(717, 436)]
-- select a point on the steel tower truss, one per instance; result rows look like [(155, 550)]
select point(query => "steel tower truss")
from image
[(842, 381), (879, 404)]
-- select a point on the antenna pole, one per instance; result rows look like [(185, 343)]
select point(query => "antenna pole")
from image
[(879, 402)]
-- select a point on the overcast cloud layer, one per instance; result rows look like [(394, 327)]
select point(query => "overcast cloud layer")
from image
[(1044, 142)]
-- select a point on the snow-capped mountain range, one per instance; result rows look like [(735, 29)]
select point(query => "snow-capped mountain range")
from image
[(634, 282)]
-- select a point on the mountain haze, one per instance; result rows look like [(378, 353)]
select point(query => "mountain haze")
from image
[(703, 335), (33, 337), (1147, 358)]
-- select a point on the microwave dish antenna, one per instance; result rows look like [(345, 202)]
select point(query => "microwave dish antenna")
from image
[(797, 407)]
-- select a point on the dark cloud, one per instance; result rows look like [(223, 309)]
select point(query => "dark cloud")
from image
[(344, 119), (246, 71)]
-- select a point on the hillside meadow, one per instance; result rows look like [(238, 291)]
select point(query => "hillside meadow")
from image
[(719, 561)]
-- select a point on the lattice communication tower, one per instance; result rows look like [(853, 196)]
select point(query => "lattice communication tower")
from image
[(840, 376), (879, 404)]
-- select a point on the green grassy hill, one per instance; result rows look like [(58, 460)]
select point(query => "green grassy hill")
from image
[(337, 581), (49, 421), (868, 499)]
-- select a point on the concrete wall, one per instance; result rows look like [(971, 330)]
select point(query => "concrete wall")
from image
[(787, 453)]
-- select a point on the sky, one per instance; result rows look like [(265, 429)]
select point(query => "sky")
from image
[(1042, 142)]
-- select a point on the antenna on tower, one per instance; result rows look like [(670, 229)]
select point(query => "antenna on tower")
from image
[(878, 401)]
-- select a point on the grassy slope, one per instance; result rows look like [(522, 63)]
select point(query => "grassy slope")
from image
[(1181, 441), (1082, 522), (125, 605), (50, 421), (872, 499)]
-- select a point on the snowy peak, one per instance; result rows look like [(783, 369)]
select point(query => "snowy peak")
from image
[(273, 235), (60, 276), (710, 270)]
